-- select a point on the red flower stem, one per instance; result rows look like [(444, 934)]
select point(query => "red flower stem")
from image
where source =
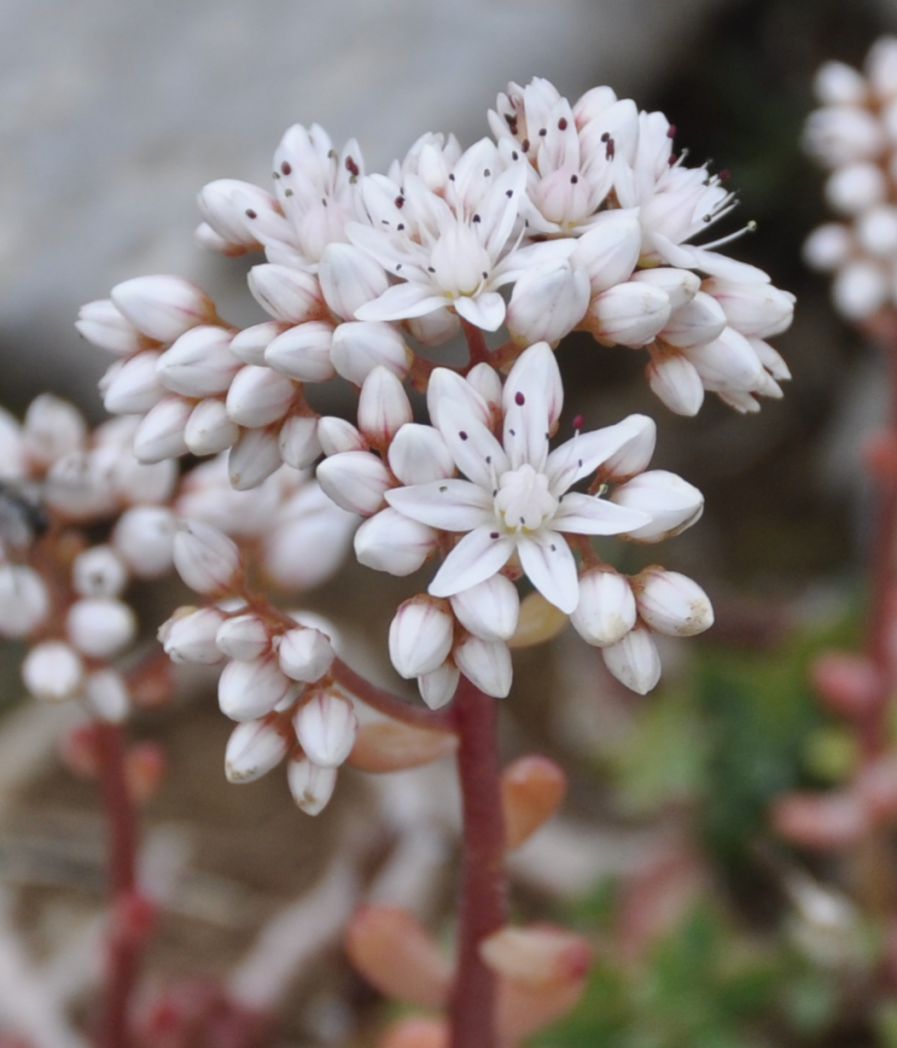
[(476, 344), (386, 702), (483, 906), (124, 941)]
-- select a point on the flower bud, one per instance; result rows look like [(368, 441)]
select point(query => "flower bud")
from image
[(248, 690), (838, 135), (303, 352), (727, 364), (189, 636), (360, 346), (305, 654), (210, 429), (420, 636), (206, 237), (771, 360), (486, 663), (700, 320), (855, 187), (437, 688), (205, 558), (53, 671), (355, 480), (99, 572), (671, 603), (672, 503), (828, 247), (680, 285), (532, 790), (243, 637), (876, 231), (258, 396), (199, 363), (629, 314), (253, 749), (490, 609), (163, 307), (253, 459), (298, 441), (326, 727), (132, 387), (336, 435), (160, 434), (676, 382), (388, 745), (349, 279), (860, 289), (223, 204), (250, 344), (106, 695), (756, 309), (606, 611), (418, 454), (287, 294), (536, 956), (51, 428), (310, 544), (311, 786), (636, 437), (104, 326), (434, 329), (547, 304), (634, 660), (836, 83), (100, 627), (144, 538), (383, 406), (609, 251), (392, 542)]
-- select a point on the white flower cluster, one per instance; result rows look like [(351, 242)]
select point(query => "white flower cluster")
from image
[(854, 135)]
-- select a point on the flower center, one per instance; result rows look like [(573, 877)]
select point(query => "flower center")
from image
[(460, 261), (523, 501)]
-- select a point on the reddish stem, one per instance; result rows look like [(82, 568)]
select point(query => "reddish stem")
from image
[(386, 702), (483, 908), (476, 344)]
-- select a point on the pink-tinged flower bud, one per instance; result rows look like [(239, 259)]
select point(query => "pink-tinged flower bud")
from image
[(771, 360), (259, 396), (144, 538), (672, 603), (433, 329), (99, 572), (206, 237), (160, 434), (326, 727), (606, 611), (672, 503), (383, 406), (420, 636), (634, 660), (757, 309), (80, 483), (486, 663), (593, 104), (210, 429), (104, 326), (224, 203), (849, 684), (53, 671), (189, 636), (388, 745), (418, 454), (205, 558), (437, 688), (638, 438), (547, 304), (253, 749), (860, 289), (839, 135), (676, 382), (538, 955), (311, 543), (303, 352), (163, 307), (336, 435), (51, 428), (298, 441), (355, 480), (287, 294), (728, 364), (305, 655), (629, 314), (132, 387), (398, 957), (311, 786), (243, 637), (254, 457), (487, 382), (490, 609), (824, 822), (852, 189), (876, 231), (100, 627), (828, 247), (700, 320), (248, 690), (106, 695), (349, 279), (391, 542), (836, 83), (532, 790), (199, 363), (360, 346), (249, 345), (609, 251), (680, 285)]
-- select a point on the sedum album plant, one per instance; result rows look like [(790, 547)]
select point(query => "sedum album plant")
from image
[(437, 293)]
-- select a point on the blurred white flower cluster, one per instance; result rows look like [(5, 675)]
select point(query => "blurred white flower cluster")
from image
[(854, 135)]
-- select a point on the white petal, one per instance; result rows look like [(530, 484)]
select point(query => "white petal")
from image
[(401, 302), (475, 450), (550, 567), (532, 400), (478, 556), (451, 504), (587, 515), (583, 454), (485, 311)]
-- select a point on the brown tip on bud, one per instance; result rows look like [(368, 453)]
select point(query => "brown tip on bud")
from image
[(533, 788), (397, 956), (145, 768), (416, 1033), (539, 622), (388, 745), (78, 752), (822, 822)]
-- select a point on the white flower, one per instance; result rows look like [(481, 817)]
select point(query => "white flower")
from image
[(514, 496)]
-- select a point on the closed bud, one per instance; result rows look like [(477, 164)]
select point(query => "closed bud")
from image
[(537, 955), (163, 307), (881, 67), (606, 611), (160, 434), (680, 285), (253, 459), (189, 636), (701, 319), (305, 654), (860, 289), (53, 671), (223, 204), (532, 790), (290, 295), (634, 660), (828, 247), (106, 695), (486, 381), (855, 187), (672, 603), (672, 503), (355, 480), (144, 538), (336, 435), (547, 304), (200, 363), (326, 727), (486, 663), (360, 346), (243, 637), (104, 326), (310, 542), (132, 387), (629, 314), (303, 352), (490, 609), (771, 360), (434, 329), (420, 636), (99, 572), (100, 627), (609, 251), (205, 558), (637, 436), (836, 83), (391, 542), (250, 344), (310, 785), (728, 364), (24, 600), (206, 237), (388, 745), (437, 688), (258, 396), (841, 134), (349, 279), (210, 429), (676, 382), (876, 231), (756, 309), (298, 441), (418, 454), (248, 690), (253, 749), (383, 406)]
